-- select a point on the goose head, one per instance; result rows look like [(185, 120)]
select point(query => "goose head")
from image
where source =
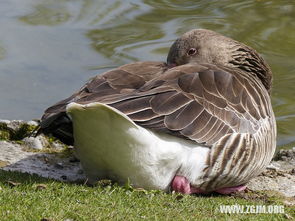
[(206, 46)]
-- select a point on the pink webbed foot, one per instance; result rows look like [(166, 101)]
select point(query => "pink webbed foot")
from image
[(229, 190), (181, 185)]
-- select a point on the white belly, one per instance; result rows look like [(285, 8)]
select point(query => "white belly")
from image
[(110, 145)]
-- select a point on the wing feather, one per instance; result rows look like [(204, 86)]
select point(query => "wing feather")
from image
[(198, 102), (181, 118)]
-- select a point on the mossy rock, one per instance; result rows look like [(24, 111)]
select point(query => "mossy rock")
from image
[(4, 135), (5, 132), (22, 131)]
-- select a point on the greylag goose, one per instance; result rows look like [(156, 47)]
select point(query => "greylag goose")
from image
[(199, 123)]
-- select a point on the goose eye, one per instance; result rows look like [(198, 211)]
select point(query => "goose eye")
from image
[(192, 51)]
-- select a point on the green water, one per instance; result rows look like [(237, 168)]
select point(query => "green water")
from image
[(49, 48)]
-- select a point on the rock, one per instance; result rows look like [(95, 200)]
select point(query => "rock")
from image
[(57, 145), (16, 129), (4, 121), (33, 123), (38, 143), (42, 164), (286, 155), (15, 124)]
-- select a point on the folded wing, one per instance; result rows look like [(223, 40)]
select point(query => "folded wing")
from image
[(197, 102)]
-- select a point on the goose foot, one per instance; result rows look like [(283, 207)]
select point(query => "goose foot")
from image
[(229, 190), (181, 185)]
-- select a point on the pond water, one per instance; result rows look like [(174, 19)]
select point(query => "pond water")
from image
[(49, 48)]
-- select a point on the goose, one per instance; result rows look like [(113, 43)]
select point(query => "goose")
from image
[(201, 122)]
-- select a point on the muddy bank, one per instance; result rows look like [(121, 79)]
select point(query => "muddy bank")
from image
[(48, 158)]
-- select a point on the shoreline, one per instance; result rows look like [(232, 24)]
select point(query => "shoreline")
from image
[(49, 158)]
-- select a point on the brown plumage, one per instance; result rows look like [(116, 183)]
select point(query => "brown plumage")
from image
[(212, 90)]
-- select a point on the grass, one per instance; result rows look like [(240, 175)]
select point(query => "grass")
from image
[(27, 197)]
